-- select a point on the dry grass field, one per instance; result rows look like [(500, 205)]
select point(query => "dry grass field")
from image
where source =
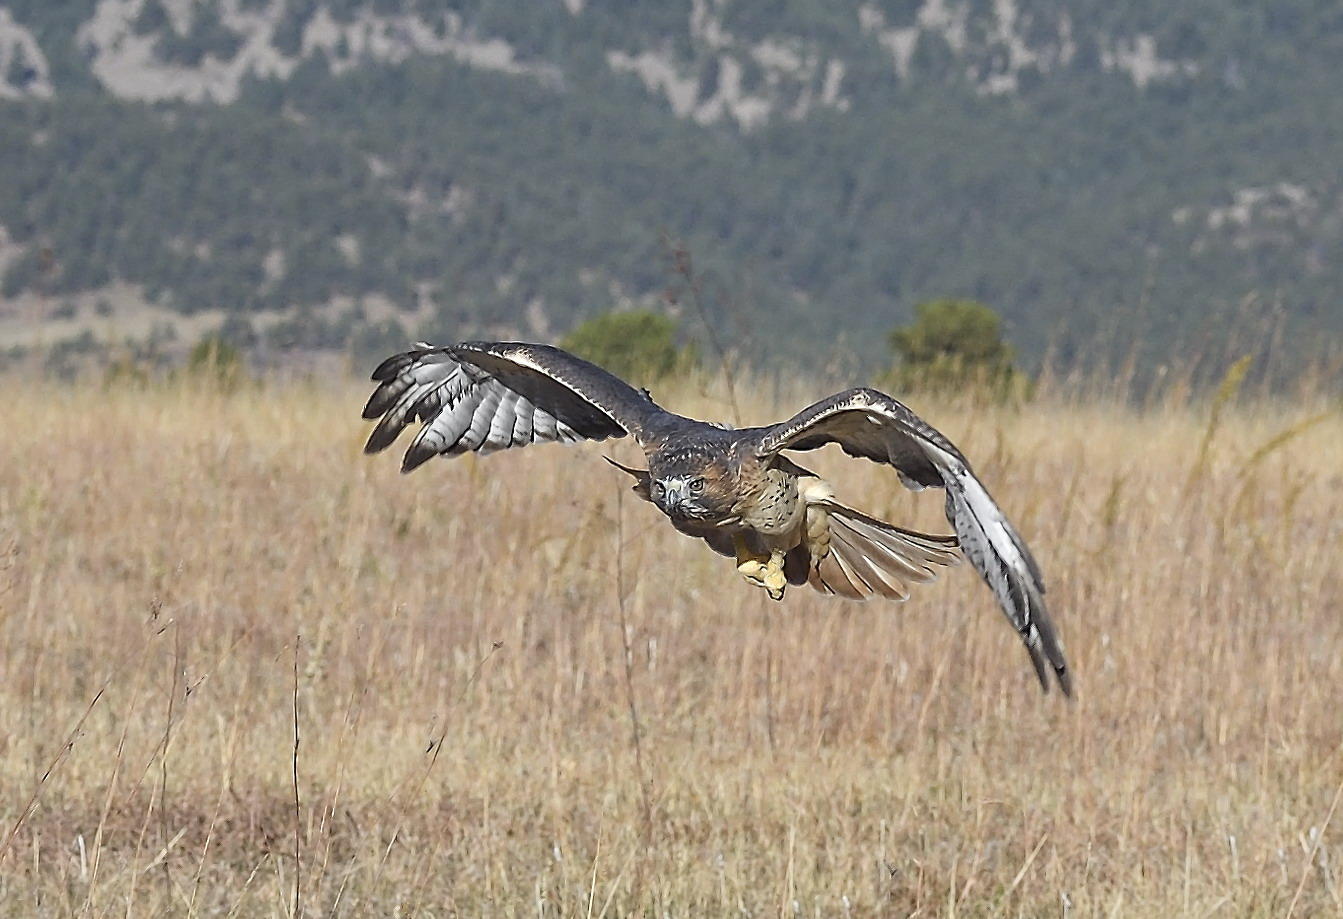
[(187, 577)]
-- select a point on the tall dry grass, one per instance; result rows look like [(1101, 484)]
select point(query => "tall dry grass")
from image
[(485, 728)]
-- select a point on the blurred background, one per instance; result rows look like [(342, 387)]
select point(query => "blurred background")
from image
[(1129, 187)]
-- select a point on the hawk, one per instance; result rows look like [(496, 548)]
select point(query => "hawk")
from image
[(734, 489)]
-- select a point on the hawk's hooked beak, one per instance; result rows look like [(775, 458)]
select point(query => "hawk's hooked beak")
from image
[(673, 496)]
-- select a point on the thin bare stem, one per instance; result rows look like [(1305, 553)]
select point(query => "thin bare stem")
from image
[(298, 812), (435, 748), (636, 733), (117, 760), (51, 767), (167, 742), (1314, 850), (684, 267)]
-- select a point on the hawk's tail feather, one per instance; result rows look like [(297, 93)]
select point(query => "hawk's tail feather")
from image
[(858, 556)]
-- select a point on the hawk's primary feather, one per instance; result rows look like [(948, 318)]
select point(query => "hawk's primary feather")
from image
[(488, 396)]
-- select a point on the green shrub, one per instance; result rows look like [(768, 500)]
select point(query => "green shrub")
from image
[(954, 346), (127, 370), (215, 360), (639, 345)]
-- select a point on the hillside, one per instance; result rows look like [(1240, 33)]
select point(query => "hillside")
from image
[(340, 174)]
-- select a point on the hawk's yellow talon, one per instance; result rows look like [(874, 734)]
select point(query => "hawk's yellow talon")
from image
[(773, 580), (764, 572)]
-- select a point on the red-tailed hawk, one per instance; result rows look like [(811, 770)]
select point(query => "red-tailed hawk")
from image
[(735, 489)]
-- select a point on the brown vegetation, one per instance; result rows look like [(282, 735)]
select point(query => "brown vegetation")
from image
[(487, 728)]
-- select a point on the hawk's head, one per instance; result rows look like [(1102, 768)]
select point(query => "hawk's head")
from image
[(692, 484)]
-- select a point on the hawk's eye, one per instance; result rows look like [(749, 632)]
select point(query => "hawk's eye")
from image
[(697, 486), (659, 489)]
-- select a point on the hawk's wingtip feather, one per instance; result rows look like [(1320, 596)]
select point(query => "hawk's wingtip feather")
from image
[(1065, 681)]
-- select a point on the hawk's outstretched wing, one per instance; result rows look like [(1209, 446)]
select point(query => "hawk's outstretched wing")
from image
[(487, 396), (873, 425)]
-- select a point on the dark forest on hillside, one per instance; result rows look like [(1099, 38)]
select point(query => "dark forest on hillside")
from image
[(1087, 209)]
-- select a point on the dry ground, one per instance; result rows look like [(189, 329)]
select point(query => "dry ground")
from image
[(185, 574)]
